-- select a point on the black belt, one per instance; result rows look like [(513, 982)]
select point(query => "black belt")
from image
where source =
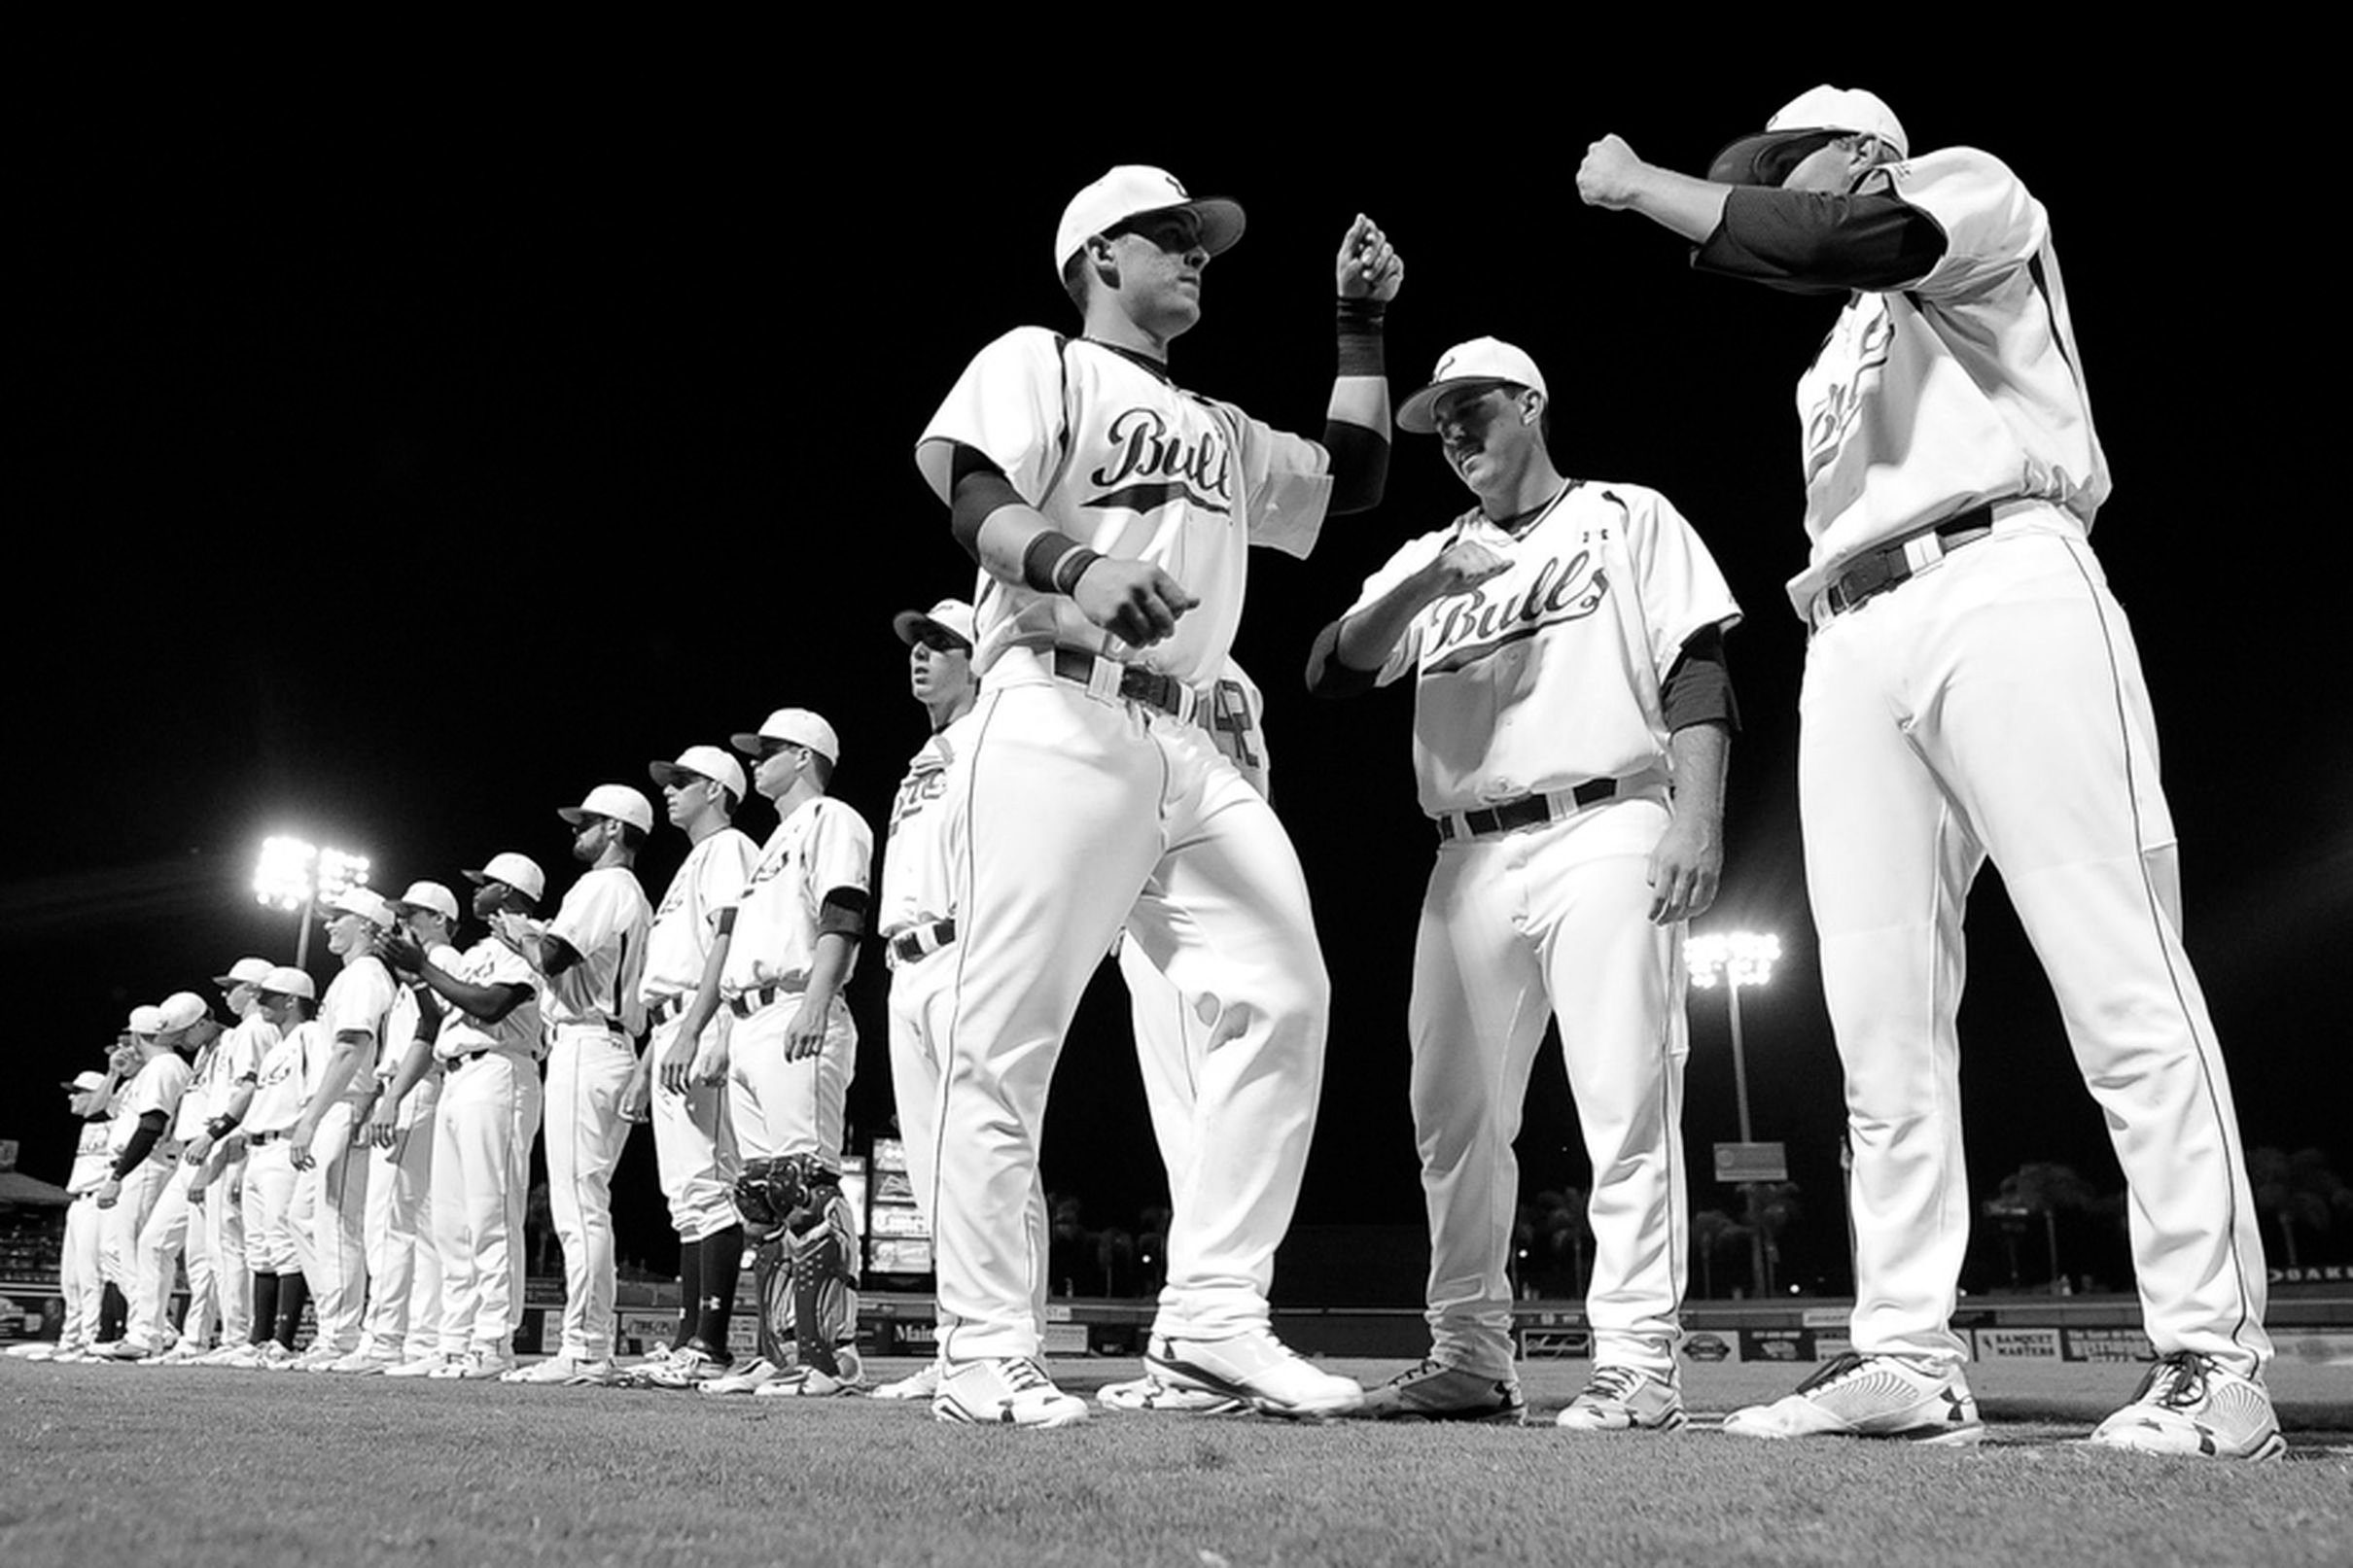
[(253, 1140), (758, 997), (1866, 577), (1162, 693), (1527, 812), (662, 1009), (917, 940), (453, 1064)]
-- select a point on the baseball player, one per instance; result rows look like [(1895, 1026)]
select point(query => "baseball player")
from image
[(1972, 692), (1110, 513), (590, 959), (923, 846), (281, 1088), (402, 1324), (693, 1141), (488, 1052), (778, 962), (79, 1280), (1571, 727), (327, 1145), (227, 1081), (174, 1224), (144, 1157)]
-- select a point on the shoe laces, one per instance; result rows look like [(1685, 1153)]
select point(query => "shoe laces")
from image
[(1431, 1366), (2177, 1381), (1836, 1370), (1023, 1375), (1613, 1383)]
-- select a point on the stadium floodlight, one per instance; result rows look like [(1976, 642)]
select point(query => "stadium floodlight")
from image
[(1737, 959), (295, 875)]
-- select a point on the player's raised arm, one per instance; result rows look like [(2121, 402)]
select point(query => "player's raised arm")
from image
[(1368, 273)]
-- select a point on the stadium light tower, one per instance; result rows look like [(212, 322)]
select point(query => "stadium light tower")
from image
[(295, 875), (1740, 958)]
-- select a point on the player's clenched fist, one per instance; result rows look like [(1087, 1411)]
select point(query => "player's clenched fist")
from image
[(1606, 178), (1135, 600), (1369, 265), (1463, 565)]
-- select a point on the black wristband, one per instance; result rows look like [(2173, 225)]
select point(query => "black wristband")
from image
[(1042, 556), (1072, 567), (219, 1126), (1361, 341)]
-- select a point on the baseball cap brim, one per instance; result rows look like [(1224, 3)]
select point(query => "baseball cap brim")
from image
[(1767, 158), (1418, 414), (911, 624), (670, 772), (1221, 220)]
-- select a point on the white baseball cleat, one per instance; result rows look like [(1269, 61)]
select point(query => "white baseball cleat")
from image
[(2191, 1404), (808, 1383), (1625, 1399), (1003, 1392), (39, 1350), (686, 1366), (186, 1353), (743, 1380), (922, 1383), (276, 1357), (124, 1349), (362, 1364), (1876, 1396), (1149, 1392), (481, 1363), (231, 1355), (1436, 1392), (1256, 1366), (561, 1368), (425, 1365)]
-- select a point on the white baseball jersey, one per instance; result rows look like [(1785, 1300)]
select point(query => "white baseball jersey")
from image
[(1990, 369), (239, 1055), (604, 919), (283, 1083), (1129, 464), (358, 1000), (400, 1028), (492, 963), (94, 1155), (158, 1086), (197, 1102), (1548, 675), (708, 881), (920, 846), (822, 845)]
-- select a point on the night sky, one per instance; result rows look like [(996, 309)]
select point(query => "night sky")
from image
[(392, 487)]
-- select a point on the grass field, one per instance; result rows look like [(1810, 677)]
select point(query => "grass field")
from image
[(120, 1465)]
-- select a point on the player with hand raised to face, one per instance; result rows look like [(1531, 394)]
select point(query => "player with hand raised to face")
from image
[(1972, 693)]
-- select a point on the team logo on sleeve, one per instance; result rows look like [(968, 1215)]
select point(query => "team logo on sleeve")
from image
[(1151, 466), (1469, 627)]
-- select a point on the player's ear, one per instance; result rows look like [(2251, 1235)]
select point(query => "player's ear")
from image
[(1101, 260), (1532, 407)]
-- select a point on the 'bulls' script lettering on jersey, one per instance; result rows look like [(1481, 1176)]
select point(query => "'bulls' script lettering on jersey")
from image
[(1150, 468)]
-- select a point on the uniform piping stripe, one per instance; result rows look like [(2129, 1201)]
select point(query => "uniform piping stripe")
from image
[(2233, 1156), (956, 1006)]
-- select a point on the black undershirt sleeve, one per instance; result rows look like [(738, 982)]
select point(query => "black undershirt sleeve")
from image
[(1698, 690), (141, 1140), (1811, 243), (1330, 676), (843, 911), (1360, 466), (976, 487)]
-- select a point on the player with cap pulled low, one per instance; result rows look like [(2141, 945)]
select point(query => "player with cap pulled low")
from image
[(1111, 512), (1973, 692), (281, 1086), (488, 1052), (779, 959), (693, 1140), (144, 1157), (174, 1225), (329, 1143), (590, 959), (1572, 722), (402, 1324)]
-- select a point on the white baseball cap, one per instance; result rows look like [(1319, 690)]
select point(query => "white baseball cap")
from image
[(1749, 161), (432, 895), (287, 981), (182, 1009), (146, 1020), (518, 871), (795, 726), (88, 1083), (619, 802), (702, 762), (1482, 360), (1131, 191), (366, 903), (950, 615), (243, 972)]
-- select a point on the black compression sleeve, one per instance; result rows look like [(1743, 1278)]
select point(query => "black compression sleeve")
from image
[(1811, 243), (141, 1140), (1360, 466), (1698, 690), (1329, 676), (976, 487), (843, 910)]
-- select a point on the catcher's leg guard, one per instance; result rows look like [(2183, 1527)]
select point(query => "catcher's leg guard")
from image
[(824, 1282), (772, 1281)]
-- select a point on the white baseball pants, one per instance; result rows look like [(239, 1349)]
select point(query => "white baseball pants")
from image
[(268, 1198), (778, 1108), (1993, 708), (482, 1130), (694, 1146), (80, 1279), (403, 1269), (329, 1225), (588, 1067)]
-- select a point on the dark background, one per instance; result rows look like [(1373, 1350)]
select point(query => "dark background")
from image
[(390, 479)]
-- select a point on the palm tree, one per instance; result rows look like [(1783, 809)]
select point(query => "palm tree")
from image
[(1712, 1231), (1772, 1206), (2039, 1187), (2298, 1189)]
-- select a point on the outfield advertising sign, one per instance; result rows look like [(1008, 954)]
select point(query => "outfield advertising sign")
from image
[(2107, 1345), (2016, 1345), (1777, 1344)]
